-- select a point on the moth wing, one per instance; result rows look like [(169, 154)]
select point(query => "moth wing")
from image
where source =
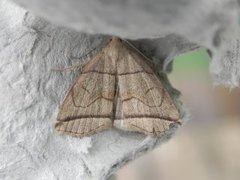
[(87, 108), (144, 105)]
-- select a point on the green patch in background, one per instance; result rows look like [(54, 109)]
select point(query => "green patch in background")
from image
[(191, 64)]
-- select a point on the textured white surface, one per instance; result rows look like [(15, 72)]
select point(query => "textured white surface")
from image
[(30, 94), (225, 67), (198, 20)]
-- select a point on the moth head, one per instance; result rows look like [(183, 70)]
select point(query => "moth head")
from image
[(116, 39)]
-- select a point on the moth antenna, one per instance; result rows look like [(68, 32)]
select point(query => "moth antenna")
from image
[(86, 56), (73, 67), (130, 44)]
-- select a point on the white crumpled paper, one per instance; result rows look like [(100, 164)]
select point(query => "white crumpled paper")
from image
[(30, 94)]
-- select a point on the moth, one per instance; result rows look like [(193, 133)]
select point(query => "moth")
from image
[(117, 88)]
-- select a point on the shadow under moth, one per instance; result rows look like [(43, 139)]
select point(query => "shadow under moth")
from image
[(117, 88)]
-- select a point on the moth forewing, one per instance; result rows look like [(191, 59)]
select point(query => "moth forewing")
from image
[(146, 105)]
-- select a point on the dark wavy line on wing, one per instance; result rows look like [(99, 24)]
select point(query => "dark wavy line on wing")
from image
[(135, 72), (134, 97), (85, 116), (72, 118), (99, 72), (93, 101)]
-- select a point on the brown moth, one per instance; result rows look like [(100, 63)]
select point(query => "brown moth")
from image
[(117, 88)]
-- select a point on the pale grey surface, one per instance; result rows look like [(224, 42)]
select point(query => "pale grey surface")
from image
[(198, 20), (225, 67), (30, 94), (138, 18)]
